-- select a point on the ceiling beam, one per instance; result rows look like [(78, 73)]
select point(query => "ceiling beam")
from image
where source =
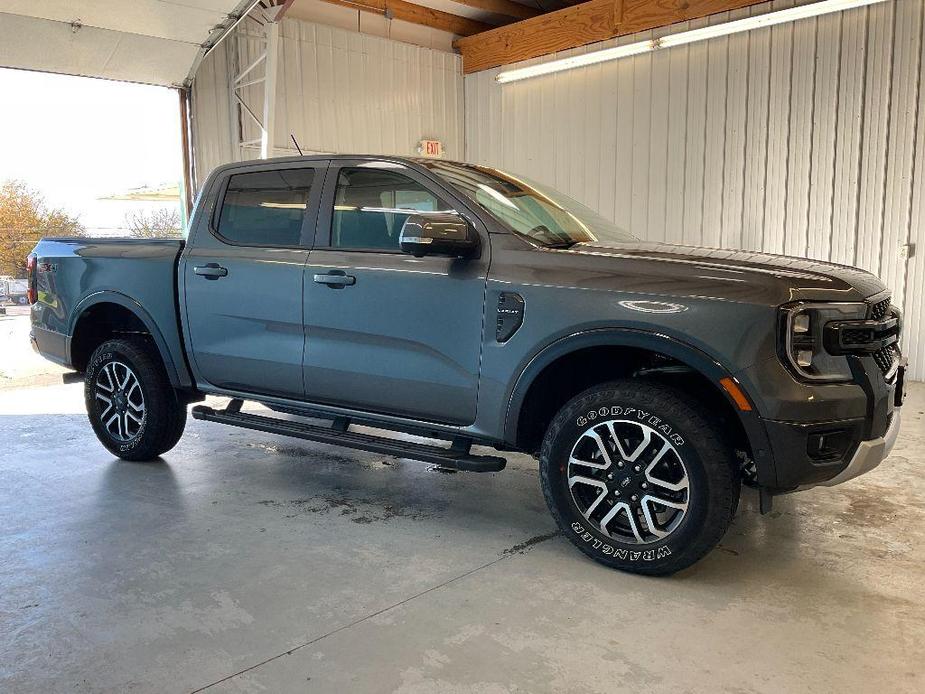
[(595, 20), (508, 8), (417, 14), (283, 6)]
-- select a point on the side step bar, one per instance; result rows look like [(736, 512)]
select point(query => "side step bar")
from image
[(456, 457)]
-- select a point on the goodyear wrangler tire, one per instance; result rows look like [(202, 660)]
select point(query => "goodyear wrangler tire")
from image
[(135, 412), (637, 478)]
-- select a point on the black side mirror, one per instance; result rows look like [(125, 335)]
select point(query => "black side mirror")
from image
[(440, 233)]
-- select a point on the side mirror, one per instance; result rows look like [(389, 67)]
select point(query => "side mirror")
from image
[(442, 233)]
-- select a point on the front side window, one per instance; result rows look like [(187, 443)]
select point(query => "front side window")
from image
[(265, 208), (371, 205)]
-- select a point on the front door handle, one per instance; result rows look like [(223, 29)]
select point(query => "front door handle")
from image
[(211, 271), (336, 280)]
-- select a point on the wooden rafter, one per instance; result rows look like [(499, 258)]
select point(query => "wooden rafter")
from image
[(284, 8), (503, 7), (595, 20), (417, 14)]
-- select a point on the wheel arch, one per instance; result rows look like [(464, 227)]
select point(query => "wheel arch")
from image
[(101, 315), (634, 347)]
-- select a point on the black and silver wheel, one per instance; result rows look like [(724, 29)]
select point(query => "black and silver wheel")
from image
[(637, 478), (135, 412), (628, 480), (121, 402)]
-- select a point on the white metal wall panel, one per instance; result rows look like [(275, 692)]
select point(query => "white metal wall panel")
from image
[(915, 233), (210, 114), (337, 91), (804, 138)]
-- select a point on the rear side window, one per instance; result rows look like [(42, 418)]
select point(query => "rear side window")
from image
[(265, 208), (371, 205)]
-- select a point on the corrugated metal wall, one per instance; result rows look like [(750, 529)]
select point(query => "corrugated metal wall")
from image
[(213, 136), (337, 91), (806, 139)]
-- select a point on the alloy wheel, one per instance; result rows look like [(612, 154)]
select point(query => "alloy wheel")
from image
[(121, 402), (629, 481)]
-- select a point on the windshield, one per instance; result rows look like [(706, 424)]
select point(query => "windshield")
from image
[(542, 214)]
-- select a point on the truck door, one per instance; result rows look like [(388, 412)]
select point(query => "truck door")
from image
[(242, 277), (385, 331)]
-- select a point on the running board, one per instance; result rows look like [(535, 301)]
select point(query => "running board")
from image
[(457, 457)]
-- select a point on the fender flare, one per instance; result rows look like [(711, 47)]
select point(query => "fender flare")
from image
[(126, 302), (693, 357)]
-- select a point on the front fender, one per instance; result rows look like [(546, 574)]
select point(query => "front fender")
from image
[(696, 359)]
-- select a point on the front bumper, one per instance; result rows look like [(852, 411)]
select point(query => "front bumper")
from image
[(862, 422), (868, 455)]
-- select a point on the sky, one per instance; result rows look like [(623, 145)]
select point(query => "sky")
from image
[(76, 139)]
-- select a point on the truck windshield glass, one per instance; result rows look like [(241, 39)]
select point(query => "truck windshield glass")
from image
[(542, 214)]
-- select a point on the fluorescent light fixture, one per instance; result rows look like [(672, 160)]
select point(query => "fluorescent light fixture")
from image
[(574, 61), (284, 205), (683, 37)]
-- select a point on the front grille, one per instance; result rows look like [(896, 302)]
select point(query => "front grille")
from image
[(886, 357), (855, 336), (879, 310)]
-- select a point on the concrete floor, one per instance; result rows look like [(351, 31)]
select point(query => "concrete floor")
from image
[(248, 562)]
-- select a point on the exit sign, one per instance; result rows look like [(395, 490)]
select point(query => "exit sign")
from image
[(430, 148)]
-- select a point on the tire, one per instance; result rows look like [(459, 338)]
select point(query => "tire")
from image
[(126, 380), (22, 301), (682, 458)]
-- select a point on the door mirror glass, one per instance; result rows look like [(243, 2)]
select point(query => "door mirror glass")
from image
[(439, 233)]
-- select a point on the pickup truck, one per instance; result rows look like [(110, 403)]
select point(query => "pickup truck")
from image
[(470, 306), (13, 291)]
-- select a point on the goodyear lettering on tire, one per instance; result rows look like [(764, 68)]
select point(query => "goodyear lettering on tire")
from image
[(632, 413)]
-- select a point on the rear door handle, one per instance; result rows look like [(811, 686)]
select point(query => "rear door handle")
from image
[(211, 271), (335, 280)]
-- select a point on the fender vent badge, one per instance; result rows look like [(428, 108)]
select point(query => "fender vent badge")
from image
[(510, 315)]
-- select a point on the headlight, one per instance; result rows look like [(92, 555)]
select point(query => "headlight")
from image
[(802, 339)]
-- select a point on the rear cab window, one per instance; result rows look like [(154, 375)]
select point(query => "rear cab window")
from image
[(265, 208)]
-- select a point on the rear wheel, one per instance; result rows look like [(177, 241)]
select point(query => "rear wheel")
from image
[(637, 478), (135, 412)]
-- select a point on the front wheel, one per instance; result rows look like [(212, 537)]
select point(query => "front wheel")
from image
[(135, 412), (637, 478)]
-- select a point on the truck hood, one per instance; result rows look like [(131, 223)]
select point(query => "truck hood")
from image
[(790, 278)]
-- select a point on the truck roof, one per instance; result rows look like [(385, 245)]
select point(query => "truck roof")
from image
[(332, 157)]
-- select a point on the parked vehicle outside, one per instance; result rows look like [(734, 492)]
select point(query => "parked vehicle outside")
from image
[(14, 290), (468, 305)]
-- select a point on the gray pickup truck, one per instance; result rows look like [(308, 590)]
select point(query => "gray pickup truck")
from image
[(471, 306)]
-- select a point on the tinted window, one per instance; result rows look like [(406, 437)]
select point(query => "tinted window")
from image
[(545, 215), (371, 205), (265, 208)]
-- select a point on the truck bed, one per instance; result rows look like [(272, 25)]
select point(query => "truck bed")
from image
[(73, 275)]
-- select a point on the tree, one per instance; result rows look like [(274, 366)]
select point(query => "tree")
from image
[(24, 219), (157, 224)]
